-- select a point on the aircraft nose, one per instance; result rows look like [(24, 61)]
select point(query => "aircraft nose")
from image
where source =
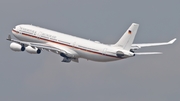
[(15, 30)]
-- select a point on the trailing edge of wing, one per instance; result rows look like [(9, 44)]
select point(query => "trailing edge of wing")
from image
[(154, 44), (148, 53)]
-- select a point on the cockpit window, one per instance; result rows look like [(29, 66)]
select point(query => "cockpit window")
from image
[(17, 27)]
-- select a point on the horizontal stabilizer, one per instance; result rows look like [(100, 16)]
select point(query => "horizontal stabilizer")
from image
[(148, 53)]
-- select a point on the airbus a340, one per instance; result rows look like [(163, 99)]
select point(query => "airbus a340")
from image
[(34, 39)]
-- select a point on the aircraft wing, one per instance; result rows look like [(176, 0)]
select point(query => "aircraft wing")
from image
[(138, 46), (148, 53), (68, 54)]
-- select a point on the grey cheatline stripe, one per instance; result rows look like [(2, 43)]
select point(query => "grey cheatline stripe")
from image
[(64, 44)]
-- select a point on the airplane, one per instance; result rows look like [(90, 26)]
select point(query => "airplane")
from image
[(35, 39)]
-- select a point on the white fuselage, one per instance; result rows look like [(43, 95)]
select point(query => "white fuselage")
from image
[(90, 50), (34, 39)]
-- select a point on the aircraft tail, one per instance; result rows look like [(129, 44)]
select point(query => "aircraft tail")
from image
[(127, 39)]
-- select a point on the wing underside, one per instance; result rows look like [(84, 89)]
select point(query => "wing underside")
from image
[(68, 54)]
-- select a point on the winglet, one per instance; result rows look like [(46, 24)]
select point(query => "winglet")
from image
[(172, 41), (9, 37)]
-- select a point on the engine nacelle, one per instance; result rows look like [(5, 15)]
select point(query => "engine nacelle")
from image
[(120, 54), (16, 47), (124, 54), (32, 50), (135, 48)]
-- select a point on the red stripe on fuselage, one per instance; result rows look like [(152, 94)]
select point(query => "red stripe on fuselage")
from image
[(63, 44)]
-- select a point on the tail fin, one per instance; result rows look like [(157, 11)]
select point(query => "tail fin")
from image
[(127, 39)]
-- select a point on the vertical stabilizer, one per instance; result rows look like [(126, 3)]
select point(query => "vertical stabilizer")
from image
[(127, 39)]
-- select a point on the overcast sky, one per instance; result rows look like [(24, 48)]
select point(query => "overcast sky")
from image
[(25, 77)]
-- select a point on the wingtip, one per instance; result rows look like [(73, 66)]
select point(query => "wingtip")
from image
[(9, 37), (172, 41)]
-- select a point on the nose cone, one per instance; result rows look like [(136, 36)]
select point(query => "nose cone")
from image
[(16, 31)]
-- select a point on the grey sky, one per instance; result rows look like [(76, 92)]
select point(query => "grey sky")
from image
[(43, 77)]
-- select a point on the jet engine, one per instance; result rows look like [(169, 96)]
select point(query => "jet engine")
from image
[(32, 50), (16, 47), (119, 54), (124, 54)]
